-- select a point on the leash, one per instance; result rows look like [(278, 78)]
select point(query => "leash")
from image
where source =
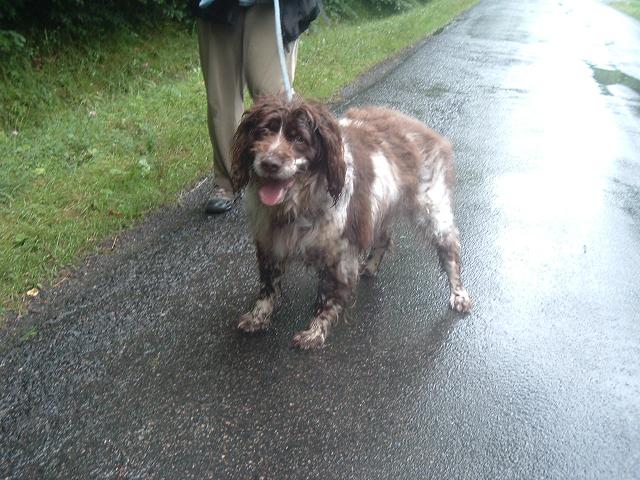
[(283, 62)]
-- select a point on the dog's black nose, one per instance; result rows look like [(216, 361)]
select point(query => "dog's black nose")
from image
[(270, 165)]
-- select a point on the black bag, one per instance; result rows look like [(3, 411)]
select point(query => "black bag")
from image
[(295, 15)]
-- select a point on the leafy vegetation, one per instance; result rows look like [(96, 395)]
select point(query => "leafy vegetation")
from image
[(57, 21), (43, 23)]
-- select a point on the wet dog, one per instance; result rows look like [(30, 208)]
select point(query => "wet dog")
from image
[(327, 191)]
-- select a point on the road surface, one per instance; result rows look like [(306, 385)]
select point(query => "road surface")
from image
[(131, 368)]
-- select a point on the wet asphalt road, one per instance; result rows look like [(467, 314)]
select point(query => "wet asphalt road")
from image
[(134, 370)]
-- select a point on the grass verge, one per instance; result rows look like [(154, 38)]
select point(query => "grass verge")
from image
[(630, 7), (93, 138)]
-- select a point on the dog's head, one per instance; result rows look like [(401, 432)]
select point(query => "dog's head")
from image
[(280, 144)]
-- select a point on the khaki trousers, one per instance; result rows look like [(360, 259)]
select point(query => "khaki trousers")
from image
[(232, 57)]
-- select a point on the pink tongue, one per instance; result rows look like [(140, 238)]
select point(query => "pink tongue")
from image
[(272, 193)]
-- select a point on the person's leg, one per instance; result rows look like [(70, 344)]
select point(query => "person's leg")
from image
[(261, 61), (220, 48)]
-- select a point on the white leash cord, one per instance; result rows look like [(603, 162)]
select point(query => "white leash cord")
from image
[(283, 61)]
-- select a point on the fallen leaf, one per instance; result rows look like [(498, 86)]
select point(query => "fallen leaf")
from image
[(144, 165), (20, 239), (33, 292)]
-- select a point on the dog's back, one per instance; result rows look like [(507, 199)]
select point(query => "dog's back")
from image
[(400, 166)]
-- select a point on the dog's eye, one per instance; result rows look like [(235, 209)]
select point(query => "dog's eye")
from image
[(273, 125)]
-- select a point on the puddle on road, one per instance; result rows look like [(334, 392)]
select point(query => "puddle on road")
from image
[(436, 90), (628, 196), (606, 77)]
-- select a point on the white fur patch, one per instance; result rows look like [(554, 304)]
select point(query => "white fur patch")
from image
[(263, 308), (342, 205), (412, 137), (440, 200), (385, 190), (349, 122), (277, 141)]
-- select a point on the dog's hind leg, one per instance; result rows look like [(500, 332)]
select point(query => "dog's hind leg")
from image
[(381, 246), (434, 217), (271, 271), (448, 247), (335, 288)]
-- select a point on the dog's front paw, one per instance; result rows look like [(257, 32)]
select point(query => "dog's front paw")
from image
[(460, 301), (307, 339), (250, 324)]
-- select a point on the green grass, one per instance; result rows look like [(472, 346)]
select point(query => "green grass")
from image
[(350, 50), (94, 138), (630, 7)]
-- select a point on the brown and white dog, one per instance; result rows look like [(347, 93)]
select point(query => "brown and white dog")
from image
[(327, 192)]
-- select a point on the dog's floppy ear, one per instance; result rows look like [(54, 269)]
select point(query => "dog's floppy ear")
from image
[(330, 151), (241, 156)]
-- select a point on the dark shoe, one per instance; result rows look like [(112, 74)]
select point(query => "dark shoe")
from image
[(221, 201), (217, 205)]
